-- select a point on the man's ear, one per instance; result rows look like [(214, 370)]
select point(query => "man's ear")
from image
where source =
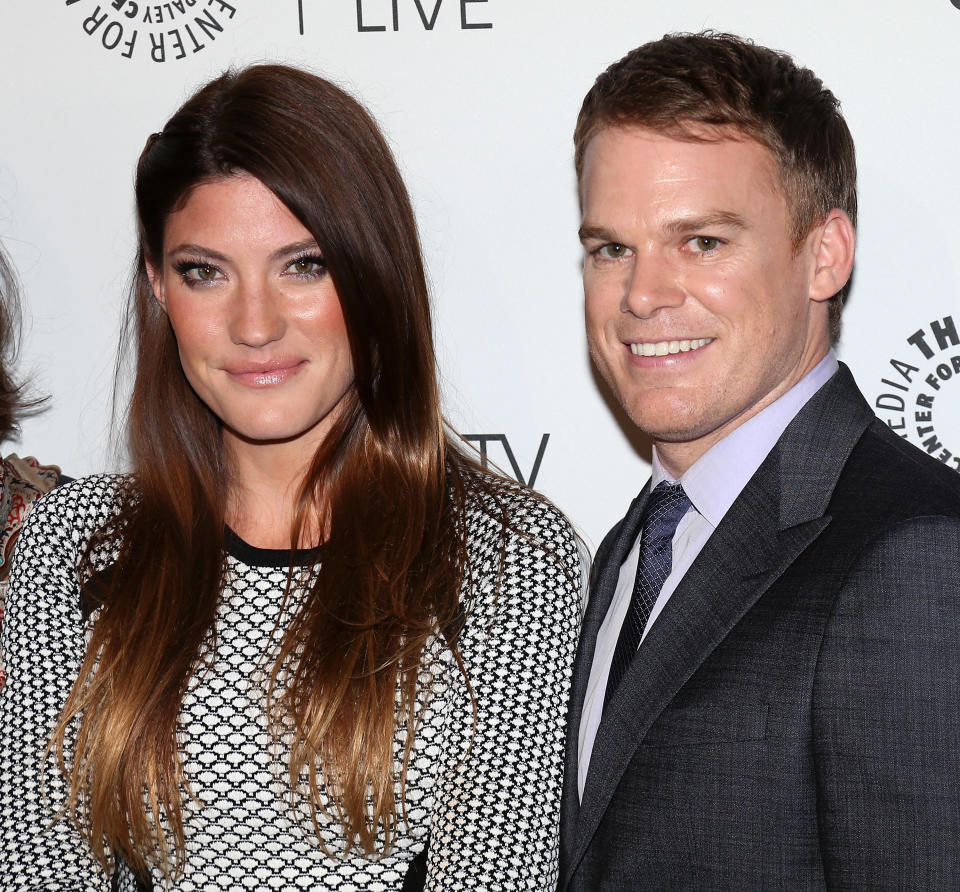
[(835, 244), (156, 285)]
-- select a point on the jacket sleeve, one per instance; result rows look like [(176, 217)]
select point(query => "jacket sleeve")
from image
[(43, 646), (887, 714), (496, 820)]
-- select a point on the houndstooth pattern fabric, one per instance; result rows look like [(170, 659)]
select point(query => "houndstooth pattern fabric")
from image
[(488, 797)]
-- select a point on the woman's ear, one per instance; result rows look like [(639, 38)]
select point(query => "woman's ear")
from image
[(156, 285)]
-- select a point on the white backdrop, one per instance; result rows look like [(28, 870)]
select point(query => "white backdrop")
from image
[(481, 120)]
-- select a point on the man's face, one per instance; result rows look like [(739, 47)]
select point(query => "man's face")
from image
[(699, 310)]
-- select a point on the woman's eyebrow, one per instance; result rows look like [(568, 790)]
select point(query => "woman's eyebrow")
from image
[(307, 244), (192, 248)]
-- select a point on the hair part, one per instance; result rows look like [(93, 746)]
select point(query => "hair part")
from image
[(707, 86), (388, 580)]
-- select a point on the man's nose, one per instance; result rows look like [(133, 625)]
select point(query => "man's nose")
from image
[(653, 283)]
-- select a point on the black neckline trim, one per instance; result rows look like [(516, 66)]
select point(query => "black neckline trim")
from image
[(269, 557)]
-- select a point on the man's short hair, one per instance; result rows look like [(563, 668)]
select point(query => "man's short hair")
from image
[(683, 85)]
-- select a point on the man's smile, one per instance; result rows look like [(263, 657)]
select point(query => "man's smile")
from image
[(665, 348)]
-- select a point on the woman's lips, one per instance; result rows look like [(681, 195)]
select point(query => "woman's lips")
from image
[(265, 374)]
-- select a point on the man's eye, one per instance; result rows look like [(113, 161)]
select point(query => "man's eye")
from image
[(612, 251), (704, 243)]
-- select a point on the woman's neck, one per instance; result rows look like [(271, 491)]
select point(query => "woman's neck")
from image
[(265, 481)]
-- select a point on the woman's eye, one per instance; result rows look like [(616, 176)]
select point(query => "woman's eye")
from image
[(195, 273), (203, 273), (307, 266)]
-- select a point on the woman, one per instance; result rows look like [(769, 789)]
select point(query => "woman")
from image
[(22, 480), (319, 636)]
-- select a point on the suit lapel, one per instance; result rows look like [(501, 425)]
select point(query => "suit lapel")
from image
[(778, 514)]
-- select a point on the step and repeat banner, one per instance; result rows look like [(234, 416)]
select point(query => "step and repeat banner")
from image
[(478, 99)]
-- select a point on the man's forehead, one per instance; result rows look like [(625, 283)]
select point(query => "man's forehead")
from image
[(681, 132), (670, 143)]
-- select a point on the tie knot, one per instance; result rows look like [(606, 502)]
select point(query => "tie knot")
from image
[(664, 510)]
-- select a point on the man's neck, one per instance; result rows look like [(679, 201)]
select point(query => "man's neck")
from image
[(677, 457)]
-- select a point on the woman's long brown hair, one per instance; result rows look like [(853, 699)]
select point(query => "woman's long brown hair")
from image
[(386, 482)]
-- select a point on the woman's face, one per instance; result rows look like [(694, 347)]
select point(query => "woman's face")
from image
[(256, 315)]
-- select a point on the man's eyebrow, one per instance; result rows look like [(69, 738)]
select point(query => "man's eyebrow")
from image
[(595, 233), (726, 219), (680, 225)]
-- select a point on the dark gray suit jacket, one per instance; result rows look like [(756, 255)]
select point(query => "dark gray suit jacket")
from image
[(792, 720)]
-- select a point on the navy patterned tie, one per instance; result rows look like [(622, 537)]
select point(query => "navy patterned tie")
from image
[(664, 509)]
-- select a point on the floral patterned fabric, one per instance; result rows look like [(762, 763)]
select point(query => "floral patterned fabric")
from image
[(22, 482)]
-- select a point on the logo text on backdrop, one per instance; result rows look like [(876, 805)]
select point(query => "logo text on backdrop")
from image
[(163, 31), (483, 442), (428, 16), (921, 396), (394, 15)]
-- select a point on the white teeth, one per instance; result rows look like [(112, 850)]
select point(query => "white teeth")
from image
[(665, 348)]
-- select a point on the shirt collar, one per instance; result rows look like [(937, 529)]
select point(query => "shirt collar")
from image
[(713, 481)]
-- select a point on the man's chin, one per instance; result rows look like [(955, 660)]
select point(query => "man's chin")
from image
[(669, 419)]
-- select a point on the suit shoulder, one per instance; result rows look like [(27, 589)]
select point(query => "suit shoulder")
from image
[(888, 478)]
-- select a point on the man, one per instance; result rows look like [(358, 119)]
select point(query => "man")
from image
[(767, 692)]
